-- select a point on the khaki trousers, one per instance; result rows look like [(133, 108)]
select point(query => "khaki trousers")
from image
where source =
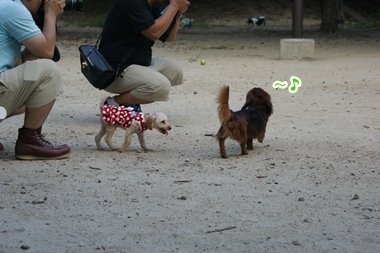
[(151, 83), (33, 84)]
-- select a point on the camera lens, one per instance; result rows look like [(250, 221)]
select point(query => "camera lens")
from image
[(74, 5)]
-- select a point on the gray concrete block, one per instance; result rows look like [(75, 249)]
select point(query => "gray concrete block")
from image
[(296, 48)]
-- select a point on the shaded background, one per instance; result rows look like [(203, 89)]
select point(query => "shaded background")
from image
[(364, 13)]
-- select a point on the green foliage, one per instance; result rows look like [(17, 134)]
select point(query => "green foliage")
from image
[(202, 24), (93, 15), (96, 7), (85, 20), (375, 20), (372, 24)]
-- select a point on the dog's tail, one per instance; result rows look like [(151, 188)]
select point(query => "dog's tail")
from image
[(224, 111)]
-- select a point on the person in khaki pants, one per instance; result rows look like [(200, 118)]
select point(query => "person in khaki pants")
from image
[(131, 28), (29, 81)]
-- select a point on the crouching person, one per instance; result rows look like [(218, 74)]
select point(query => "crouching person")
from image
[(29, 82)]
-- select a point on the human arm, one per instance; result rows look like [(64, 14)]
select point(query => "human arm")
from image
[(174, 31), (162, 23), (43, 44)]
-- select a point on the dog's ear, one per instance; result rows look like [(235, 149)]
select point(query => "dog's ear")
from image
[(247, 104), (249, 100), (268, 104), (269, 109), (149, 121)]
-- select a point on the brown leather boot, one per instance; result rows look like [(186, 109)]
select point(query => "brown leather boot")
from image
[(31, 145)]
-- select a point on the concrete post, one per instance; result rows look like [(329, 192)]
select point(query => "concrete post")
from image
[(297, 21), (297, 47)]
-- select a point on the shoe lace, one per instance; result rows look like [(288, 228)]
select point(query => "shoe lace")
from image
[(42, 138)]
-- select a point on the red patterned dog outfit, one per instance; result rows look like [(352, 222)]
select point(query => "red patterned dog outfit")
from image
[(123, 117)]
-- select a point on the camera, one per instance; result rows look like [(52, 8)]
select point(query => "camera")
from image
[(73, 5)]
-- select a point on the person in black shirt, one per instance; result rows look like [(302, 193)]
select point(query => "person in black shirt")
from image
[(132, 26)]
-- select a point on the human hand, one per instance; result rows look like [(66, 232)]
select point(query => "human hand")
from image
[(183, 9), (180, 4), (54, 7)]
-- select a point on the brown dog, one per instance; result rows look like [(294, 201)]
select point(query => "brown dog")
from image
[(112, 117), (245, 125)]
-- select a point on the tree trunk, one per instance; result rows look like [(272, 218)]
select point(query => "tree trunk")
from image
[(340, 12), (329, 16)]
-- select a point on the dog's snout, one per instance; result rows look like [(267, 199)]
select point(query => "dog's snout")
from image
[(170, 128)]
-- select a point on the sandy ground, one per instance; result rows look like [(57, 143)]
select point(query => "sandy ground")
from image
[(311, 186)]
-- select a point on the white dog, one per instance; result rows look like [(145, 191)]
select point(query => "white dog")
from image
[(260, 21), (112, 117), (187, 22)]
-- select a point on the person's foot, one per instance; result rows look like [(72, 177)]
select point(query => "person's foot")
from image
[(31, 145), (1, 147), (135, 107)]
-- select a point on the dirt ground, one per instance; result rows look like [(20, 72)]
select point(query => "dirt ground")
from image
[(311, 186)]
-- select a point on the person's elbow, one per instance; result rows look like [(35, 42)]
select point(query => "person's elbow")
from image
[(43, 54), (170, 39), (48, 54), (154, 33), (153, 36), (40, 47)]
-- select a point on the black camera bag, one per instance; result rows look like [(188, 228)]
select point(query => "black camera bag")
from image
[(96, 68)]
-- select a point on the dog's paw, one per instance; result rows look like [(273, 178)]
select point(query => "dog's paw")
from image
[(250, 147), (99, 146), (122, 148), (223, 155), (113, 148)]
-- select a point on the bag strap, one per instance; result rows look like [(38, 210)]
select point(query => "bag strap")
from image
[(97, 42), (127, 55), (125, 58)]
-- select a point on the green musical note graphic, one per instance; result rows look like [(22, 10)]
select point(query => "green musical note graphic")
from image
[(293, 88), (295, 84)]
